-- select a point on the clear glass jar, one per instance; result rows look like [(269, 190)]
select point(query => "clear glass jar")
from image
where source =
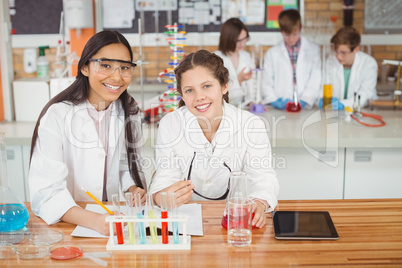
[(13, 212), (238, 189)]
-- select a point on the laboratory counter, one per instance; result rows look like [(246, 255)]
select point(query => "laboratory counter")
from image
[(309, 127), (370, 235), (316, 154)]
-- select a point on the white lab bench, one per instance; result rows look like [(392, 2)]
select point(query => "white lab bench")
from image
[(317, 155)]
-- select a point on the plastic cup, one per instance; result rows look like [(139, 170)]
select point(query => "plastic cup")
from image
[(239, 221)]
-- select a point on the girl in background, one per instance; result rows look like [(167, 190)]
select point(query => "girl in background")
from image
[(232, 41), (86, 137)]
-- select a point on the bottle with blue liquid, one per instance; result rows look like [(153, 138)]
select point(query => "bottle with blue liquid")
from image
[(13, 213)]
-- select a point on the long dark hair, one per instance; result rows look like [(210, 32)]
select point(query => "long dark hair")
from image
[(209, 61), (230, 31), (78, 92)]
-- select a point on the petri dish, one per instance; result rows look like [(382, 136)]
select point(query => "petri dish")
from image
[(49, 237), (7, 250), (32, 251), (65, 252), (13, 237)]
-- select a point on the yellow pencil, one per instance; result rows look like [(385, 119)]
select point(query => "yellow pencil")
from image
[(97, 201)]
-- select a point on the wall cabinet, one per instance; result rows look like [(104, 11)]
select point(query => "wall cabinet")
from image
[(349, 173), (304, 176), (373, 173)]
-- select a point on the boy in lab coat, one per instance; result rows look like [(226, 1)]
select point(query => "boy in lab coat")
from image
[(353, 71), (293, 63)]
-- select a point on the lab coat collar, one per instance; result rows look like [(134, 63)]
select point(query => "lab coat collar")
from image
[(79, 117), (355, 67), (229, 126)]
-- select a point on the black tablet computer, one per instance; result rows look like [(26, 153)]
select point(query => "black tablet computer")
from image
[(304, 225)]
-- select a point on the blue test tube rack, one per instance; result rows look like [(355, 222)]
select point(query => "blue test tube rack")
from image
[(184, 239)]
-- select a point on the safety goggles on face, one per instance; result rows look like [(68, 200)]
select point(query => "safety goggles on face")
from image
[(108, 66), (287, 36), (344, 53), (244, 40), (223, 197)]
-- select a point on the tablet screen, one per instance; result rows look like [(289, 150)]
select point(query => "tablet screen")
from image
[(304, 225)]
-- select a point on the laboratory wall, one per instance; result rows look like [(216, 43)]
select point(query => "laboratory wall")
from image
[(158, 56)]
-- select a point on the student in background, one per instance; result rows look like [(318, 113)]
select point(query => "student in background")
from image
[(87, 137), (206, 138), (232, 41), (294, 61), (353, 71)]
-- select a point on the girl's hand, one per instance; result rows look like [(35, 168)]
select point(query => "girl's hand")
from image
[(101, 226), (259, 214), (242, 76), (183, 189), (134, 189)]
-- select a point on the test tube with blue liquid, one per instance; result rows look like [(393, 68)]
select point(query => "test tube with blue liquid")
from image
[(119, 227), (151, 215), (138, 209), (130, 208), (164, 215), (173, 214)]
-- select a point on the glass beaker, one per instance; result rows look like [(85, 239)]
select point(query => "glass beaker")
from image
[(328, 58), (13, 213), (294, 105), (238, 189)]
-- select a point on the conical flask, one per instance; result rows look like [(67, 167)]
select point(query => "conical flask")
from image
[(238, 190), (13, 213), (294, 105)]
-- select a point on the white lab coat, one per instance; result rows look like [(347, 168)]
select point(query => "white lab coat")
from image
[(244, 93), (277, 78), (241, 142), (69, 155), (362, 80)]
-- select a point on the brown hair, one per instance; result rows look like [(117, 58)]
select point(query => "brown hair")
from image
[(207, 60), (346, 36), (288, 20), (78, 92), (230, 31)]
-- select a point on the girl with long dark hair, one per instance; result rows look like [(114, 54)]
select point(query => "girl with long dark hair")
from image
[(87, 137)]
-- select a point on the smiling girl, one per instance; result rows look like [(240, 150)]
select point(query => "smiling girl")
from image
[(207, 137), (84, 135), (232, 42)]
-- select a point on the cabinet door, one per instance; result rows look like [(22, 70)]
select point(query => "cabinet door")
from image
[(304, 176), (373, 173), (15, 171)]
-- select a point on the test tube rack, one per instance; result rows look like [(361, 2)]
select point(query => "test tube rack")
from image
[(184, 239)]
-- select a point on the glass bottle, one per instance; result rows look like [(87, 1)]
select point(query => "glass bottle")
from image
[(238, 189), (13, 213), (327, 65)]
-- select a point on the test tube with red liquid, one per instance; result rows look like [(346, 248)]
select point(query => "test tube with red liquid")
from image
[(119, 227), (164, 215)]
